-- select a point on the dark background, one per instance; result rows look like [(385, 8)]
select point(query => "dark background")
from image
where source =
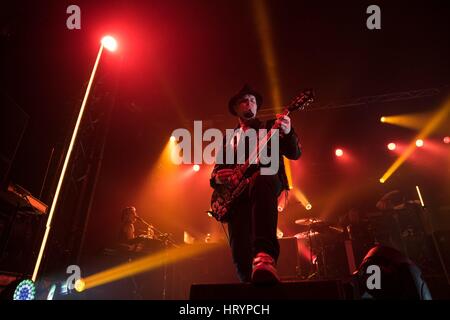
[(180, 61)]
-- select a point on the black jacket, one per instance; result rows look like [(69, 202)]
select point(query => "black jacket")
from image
[(289, 147)]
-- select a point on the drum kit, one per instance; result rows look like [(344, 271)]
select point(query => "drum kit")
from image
[(324, 248), (322, 253)]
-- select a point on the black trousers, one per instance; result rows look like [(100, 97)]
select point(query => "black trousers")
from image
[(253, 224)]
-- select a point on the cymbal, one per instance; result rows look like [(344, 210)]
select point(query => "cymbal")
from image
[(306, 235), (336, 229), (313, 224), (307, 221)]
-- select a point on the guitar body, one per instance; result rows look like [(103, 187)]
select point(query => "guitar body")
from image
[(221, 203), (225, 196)]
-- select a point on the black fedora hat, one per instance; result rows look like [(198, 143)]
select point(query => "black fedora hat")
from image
[(246, 89)]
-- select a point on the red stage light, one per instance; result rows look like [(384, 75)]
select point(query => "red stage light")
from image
[(339, 153), (419, 143), (391, 146), (109, 43), (446, 140)]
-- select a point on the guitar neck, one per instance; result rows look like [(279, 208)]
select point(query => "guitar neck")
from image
[(262, 144)]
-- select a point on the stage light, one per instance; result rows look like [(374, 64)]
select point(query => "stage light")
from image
[(196, 167), (391, 146), (51, 292), (280, 233), (382, 180), (25, 290), (420, 196), (261, 15), (339, 152), (430, 126), (419, 143), (308, 206), (147, 263), (172, 139), (109, 43), (80, 285), (383, 119), (280, 209), (287, 168), (446, 140), (300, 196)]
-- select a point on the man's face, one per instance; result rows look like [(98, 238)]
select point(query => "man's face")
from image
[(246, 107)]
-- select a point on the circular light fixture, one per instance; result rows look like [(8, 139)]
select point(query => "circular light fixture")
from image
[(419, 143), (196, 167), (25, 290), (339, 152), (80, 285), (392, 146), (109, 43)]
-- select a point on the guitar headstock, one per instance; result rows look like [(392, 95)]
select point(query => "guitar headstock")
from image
[(303, 100)]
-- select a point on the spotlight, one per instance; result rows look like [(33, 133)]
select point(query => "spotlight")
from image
[(446, 140), (280, 208), (80, 285), (109, 43), (308, 206), (391, 146), (383, 119), (419, 143), (339, 153), (382, 180), (196, 167), (51, 292), (172, 139), (280, 233), (25, 290)]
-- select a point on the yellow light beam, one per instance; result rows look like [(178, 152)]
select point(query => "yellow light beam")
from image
[(432, 124), (142, 265), (300, 196), (265, 36), (287, 167), (412, 120), (64, 168)]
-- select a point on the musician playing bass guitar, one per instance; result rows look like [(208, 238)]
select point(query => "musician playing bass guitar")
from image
[(252, 222)]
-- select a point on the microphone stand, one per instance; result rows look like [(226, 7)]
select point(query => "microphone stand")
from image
[(164, 236), (167, 240)]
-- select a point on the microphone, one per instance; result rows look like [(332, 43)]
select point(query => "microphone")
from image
[(142, 220)]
